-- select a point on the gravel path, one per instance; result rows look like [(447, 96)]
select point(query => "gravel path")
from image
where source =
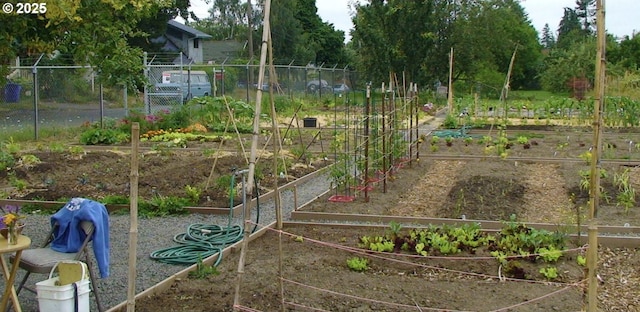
[(154, 234)]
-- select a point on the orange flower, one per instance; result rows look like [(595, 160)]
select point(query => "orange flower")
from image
[(11, 216), (9, 219)]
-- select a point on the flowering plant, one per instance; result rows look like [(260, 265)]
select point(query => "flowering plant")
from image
[(11, 216)]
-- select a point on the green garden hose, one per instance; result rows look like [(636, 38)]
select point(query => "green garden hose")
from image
[(201, 241)]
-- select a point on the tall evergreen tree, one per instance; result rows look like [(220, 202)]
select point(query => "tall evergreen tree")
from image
[(569, 29), (548, 39), (586, 13), (287, 34)]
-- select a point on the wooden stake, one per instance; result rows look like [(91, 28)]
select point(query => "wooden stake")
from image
[(384, 141), (450, 88), (367, 113), (276, 154), (594, 194), (252, 157), (507, 84), (133, 212), (417, 102)]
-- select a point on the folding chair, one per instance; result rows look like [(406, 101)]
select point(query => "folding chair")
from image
[(42, 260)]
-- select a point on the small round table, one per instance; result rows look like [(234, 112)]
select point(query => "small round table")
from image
[(9, 276)]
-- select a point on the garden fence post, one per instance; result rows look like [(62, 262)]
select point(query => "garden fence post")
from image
[(125, 100), (36, 94), (145, 97), (101, 90)]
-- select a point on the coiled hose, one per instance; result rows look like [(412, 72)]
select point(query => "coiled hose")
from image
[(204, 240)]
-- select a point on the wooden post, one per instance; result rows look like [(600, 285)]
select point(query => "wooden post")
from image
[(450, 87), (278, 139), (133, 213), (295, 197), (384, 141), (507, 85), (594, 194), (417, 101), (409, 132), (253, 155), (367, 112)]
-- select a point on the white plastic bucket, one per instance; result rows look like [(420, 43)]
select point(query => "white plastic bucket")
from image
[(54, 298)]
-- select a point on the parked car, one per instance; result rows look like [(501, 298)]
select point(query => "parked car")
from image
[(314, 86), (190, 84), (265, 86), (341, 88)]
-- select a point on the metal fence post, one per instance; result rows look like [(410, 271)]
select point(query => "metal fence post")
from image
[(320, 81), (34, 71), (125, 99), (101, 106), (36, 93), (147, 104), (248, 82)]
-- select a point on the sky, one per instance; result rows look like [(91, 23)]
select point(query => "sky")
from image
[(621, 16)]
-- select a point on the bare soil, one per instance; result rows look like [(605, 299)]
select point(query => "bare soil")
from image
[(315, 274)]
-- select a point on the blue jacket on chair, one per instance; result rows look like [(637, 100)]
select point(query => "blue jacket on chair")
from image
[(69, 236)]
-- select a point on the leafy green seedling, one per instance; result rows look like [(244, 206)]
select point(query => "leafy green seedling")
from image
[(550, 273), (582, 260), (358, 264)]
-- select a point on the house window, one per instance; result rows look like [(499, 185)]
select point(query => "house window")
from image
[(196, 43)]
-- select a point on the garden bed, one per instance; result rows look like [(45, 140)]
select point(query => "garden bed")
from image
[(486, 187), (317, 275)]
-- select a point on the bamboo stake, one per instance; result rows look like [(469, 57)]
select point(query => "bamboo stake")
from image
[(215, 160), (417, 102), (409, 100), (278, 139), (450, 90), (384, 141), (252, 158), (367, 113), (133, 212), (594, 194), (276, 154), (507, 84), (392, 120)]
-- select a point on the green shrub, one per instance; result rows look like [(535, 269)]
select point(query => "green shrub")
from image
[(450, 122), (6, 160), (93, 136), (160, 206)]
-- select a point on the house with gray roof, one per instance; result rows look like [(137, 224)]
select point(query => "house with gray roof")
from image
[(182, 38)]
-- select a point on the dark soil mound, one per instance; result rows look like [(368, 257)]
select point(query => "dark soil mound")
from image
[(484, 198)]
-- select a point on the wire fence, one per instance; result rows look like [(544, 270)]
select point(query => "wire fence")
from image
[(172, 75), (48, 92), (40, 94)]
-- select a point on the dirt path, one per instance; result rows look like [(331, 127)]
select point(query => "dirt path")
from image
[(430, 192), (545, 192)]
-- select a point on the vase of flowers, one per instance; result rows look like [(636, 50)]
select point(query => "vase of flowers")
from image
[(11, 225)]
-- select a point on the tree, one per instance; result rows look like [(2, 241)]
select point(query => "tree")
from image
[(586, 12), (227, 20), (630, 52), (569, 29), (96, 33), (287, 34), (322, 37), (548, 39), (396, 35), (577, 61)]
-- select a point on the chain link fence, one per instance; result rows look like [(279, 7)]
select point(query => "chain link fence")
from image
[(45, 93), (310, 82)]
